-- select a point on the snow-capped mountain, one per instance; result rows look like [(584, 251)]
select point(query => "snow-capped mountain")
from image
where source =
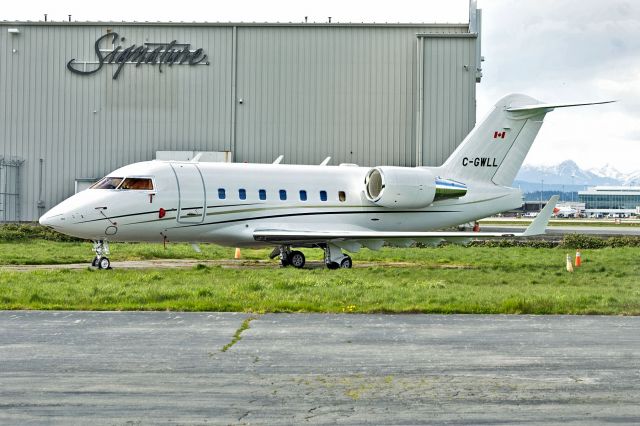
[(567, 173), (632, 179), (569, 176), (608, 171)]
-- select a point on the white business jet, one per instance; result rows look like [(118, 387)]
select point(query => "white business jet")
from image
[(334, 208)]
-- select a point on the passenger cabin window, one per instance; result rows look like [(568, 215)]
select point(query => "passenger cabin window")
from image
[(283, 194), (342, 196), (137, 184), (262, 194), (221, 193), (242, 194), (108, 182), (303, 195), (323, 195)]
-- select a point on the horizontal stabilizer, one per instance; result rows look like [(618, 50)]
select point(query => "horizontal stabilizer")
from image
[(550, 107)]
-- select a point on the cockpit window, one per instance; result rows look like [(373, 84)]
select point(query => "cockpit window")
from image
[(108, 182), (137, 183)]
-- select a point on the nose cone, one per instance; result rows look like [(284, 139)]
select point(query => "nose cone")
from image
[(60, 217), (77, 215), (45, 220), (54, 218)]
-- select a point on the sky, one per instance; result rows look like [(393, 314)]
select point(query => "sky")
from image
[(555, 51)]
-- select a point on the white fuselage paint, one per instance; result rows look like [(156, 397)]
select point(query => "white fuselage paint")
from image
[(186, 190)]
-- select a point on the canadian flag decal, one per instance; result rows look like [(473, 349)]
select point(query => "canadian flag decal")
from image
[(500, 135)]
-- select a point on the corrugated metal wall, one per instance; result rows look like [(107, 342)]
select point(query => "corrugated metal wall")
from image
[(447, 109), (307, 91)]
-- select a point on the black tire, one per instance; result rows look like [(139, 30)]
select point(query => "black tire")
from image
[(94, 262), (346, 263), (332, 265), (284, 261), (104, 263), (296, 259)]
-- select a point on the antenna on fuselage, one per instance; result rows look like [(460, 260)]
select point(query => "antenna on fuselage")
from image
[(278, 160), (325, 161), (197, 157)]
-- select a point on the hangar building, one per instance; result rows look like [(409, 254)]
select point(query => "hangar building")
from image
[(80, 99)]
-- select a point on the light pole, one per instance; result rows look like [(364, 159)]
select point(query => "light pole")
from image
[(541, 191)]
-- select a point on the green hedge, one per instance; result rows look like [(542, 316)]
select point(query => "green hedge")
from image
[(573, 241), (23, 232)]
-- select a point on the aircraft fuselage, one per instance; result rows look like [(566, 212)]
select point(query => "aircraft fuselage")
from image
[(225, 203)]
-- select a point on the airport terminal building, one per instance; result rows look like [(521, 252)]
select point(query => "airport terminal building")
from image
[(80, 99), (619, 201)]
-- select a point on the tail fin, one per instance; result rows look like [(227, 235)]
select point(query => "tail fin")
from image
[(496, 148)]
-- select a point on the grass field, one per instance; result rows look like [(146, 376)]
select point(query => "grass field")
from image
[(448, 279)]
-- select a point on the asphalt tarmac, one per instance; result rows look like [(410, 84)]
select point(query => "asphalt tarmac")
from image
[(169, 368)]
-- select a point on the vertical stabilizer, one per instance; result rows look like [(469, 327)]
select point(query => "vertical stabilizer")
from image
[(496, 148)]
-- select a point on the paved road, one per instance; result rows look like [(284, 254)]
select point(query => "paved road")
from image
[(168, 368)]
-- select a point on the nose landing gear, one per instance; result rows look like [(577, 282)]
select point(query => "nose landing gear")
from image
[(101, 249)]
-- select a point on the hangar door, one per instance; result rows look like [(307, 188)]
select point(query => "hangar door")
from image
[(446, 110)]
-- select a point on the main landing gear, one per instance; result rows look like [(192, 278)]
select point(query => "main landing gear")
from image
[(333, 257), (101, 261), (288, 257)]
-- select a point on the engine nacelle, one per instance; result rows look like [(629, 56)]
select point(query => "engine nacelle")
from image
[(400, 187), (409, 188)]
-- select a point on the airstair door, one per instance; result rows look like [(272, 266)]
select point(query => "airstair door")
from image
[(192, 202)]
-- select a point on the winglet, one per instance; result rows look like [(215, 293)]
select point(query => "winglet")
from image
[(539, 224)]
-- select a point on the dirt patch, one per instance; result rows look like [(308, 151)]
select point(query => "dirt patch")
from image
[(224, 263)]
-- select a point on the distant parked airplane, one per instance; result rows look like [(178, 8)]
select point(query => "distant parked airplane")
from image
[(334, 208), (565, 211)]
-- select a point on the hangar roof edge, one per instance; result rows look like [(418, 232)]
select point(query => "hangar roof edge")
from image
[(237, 24)]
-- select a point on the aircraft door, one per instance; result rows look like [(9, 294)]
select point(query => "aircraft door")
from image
[(192, 196)]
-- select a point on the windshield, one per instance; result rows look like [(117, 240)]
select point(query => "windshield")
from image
[(108, 182), (137, 183)]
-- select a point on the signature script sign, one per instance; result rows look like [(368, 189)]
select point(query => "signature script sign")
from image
[(165, 53)]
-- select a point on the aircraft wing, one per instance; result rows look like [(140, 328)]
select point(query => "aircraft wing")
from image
[(373, 239)]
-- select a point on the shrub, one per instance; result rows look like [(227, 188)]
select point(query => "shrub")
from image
[(572, 241), (23, 232), (576, 241)]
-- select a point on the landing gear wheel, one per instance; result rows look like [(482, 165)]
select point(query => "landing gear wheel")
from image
[(101, 249), (296, 259), (332, 265), (346, 262), (285, 255), (104, 263)]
